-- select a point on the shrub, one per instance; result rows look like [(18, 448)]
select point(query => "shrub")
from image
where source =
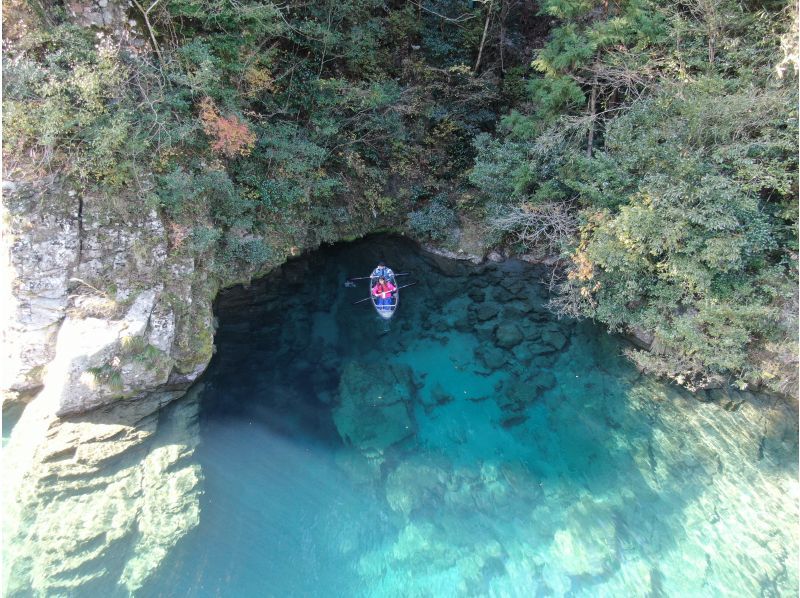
[(436, 221), (230, 136)]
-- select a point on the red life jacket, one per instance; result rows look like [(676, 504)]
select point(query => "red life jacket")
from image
[(383, 290)]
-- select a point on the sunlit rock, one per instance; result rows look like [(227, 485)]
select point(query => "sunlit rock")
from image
[(91, 366), (587, 543), (40, 249), (77, 490), (426, 556)]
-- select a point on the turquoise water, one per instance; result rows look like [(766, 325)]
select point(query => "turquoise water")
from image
[(474, 447)]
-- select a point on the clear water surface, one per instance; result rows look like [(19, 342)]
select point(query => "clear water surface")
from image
[(474, 447)]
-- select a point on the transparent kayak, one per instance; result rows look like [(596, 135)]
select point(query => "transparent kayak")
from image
[(385, 311)]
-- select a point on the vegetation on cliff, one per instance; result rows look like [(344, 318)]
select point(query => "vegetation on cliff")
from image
[(652, 145)]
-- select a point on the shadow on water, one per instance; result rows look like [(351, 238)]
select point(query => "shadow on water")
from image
[(536, 459)]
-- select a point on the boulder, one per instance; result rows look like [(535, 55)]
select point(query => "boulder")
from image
[(496, 257), (555, 338), (476, 294), (549, 338), (374, 410), (508, 335), (484, 333), (491, 357), (478, 281), (640, 337), (523, 353), (462, 324), (519, 393), (486, 311)]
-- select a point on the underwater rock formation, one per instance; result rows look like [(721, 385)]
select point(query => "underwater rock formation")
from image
[(77, 489), (508, 335), (374, 410), (586, 545)]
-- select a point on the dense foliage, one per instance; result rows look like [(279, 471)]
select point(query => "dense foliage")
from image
[(673, 130), (265, 125), (653, 145)]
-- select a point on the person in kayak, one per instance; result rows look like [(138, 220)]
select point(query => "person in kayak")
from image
[(383, 292), (382, 270)]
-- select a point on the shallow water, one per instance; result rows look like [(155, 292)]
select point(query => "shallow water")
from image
[(548, 467)]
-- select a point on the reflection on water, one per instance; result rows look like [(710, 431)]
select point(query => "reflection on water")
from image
[(488, 450)]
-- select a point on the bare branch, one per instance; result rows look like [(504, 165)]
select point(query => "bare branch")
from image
[(145, 14), (551, 225), (458, 19)]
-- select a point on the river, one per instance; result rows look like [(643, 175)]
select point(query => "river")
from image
[(473, 446)]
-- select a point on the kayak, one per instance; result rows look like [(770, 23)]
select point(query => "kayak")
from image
[(385, 311)]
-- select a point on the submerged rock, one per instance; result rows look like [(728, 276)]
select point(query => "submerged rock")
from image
[(438, 396), (413, 485), (587, 544), (79, 489), (491, 357), (554, 337), (508, 335), (374, 410), (440, 554), (477, 295), (548, 338), (486, 311), (518, 393)]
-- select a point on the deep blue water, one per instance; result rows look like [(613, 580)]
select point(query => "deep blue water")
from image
[(475, 446)]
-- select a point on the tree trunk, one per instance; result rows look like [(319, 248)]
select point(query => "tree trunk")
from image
[(483, 39), (712, 48), (592, 101)]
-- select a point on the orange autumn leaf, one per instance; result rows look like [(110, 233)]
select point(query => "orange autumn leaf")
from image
[(229, 136)]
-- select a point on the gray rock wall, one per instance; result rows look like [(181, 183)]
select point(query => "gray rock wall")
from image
[(108, 322), (102, 307)]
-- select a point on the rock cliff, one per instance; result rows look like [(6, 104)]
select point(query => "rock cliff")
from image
[(106, 322), (99, 297)]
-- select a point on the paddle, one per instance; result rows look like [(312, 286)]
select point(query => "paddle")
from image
[(405, 286), (367, 277)]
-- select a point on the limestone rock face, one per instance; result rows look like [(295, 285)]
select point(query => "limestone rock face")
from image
[(102, 308), (42, 247), (99, 13), (374, 409), (109, 322)]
